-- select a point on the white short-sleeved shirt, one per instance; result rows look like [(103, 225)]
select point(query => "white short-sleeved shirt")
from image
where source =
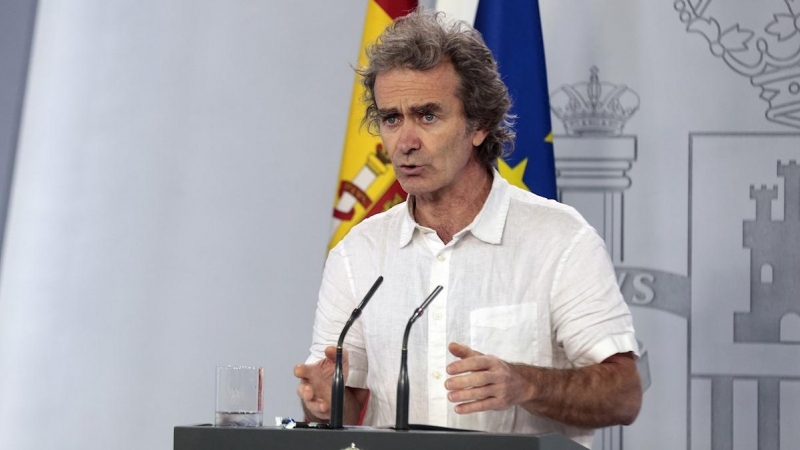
[(529, 280)]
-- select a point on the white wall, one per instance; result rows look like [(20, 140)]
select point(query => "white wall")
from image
[(706, 130), (170, 211)]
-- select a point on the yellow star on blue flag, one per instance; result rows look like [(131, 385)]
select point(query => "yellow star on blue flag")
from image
[(514, 175)]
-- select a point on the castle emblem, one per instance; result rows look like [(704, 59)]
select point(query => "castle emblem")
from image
[(772, 64), (773, 264)]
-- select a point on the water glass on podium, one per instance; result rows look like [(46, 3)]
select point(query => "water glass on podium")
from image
[(239, 394)]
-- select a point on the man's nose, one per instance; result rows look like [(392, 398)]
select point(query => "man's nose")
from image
[(408, 141)]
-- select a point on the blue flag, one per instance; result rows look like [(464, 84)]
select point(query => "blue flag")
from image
[(513, 31)]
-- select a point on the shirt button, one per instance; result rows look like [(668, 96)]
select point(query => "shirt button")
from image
[(437, 316), (436, 375), (441, 257)]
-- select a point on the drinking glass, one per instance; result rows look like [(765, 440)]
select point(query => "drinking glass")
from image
[(239, 396)]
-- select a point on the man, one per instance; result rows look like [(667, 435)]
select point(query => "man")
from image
[(530, 333)]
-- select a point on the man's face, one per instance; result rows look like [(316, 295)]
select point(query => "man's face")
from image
[(424, 131)]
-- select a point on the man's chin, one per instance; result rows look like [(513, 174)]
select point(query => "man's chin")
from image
[(411, 186)]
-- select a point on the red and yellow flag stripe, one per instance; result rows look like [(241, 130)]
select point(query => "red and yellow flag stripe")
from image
[(367, 184)]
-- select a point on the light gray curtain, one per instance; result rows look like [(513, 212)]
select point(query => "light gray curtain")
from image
[(17, 19), (175, 176)]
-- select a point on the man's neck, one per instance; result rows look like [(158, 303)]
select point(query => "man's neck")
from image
[(451, 212)]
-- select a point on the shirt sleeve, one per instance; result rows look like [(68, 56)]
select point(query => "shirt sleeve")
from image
[(336, 302), (589, 316)]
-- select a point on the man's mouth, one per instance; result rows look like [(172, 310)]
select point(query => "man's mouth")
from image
[(410, 169)]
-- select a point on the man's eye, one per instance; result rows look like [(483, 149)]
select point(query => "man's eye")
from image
[(428, 117), (391, 120)]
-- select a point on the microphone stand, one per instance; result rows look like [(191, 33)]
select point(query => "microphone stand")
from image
[(337, 386), (401, 421)]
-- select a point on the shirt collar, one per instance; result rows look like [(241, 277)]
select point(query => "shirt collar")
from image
[(408, 224), (487, 226)]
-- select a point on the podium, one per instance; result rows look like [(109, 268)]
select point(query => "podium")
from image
[(206, 437)]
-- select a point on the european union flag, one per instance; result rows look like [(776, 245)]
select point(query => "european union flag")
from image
[(513, 31)]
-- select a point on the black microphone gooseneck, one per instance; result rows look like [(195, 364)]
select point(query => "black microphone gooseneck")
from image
[(401, 421), (337, 387)]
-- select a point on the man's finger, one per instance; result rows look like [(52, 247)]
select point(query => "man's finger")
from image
[(472, 380), (488, 404), (471, 364), (317, 406), (469, 395), (305, 392), (462, 351), (301, 371), (330, 353)]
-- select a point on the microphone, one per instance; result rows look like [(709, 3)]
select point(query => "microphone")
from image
[(401, 421), (337, 387)]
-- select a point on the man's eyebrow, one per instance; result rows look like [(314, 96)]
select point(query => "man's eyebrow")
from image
[(427, 108), (388, 112)]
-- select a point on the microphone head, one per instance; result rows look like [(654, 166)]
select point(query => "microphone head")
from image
[(430, 299), (421, 310), (370, 293)]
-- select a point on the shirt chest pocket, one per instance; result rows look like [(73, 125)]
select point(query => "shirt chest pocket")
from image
[(508, 332)]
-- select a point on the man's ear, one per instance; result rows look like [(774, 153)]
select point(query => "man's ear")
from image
[(478, 136)]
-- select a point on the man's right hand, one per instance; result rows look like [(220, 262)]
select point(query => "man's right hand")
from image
[(315, 383)]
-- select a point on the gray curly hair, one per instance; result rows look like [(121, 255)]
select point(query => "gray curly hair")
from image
[(421, 41)]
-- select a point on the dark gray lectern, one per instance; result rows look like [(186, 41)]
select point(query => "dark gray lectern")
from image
[(218, 438)]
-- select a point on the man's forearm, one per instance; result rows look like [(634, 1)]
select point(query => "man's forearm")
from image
[(595, 396)]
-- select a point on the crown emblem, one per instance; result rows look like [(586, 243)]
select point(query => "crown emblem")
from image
[(594, 108), (772, 64)]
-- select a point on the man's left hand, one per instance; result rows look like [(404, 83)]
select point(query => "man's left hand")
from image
[(484, 382)]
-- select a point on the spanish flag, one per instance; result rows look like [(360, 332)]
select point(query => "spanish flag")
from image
[(367, 184)]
